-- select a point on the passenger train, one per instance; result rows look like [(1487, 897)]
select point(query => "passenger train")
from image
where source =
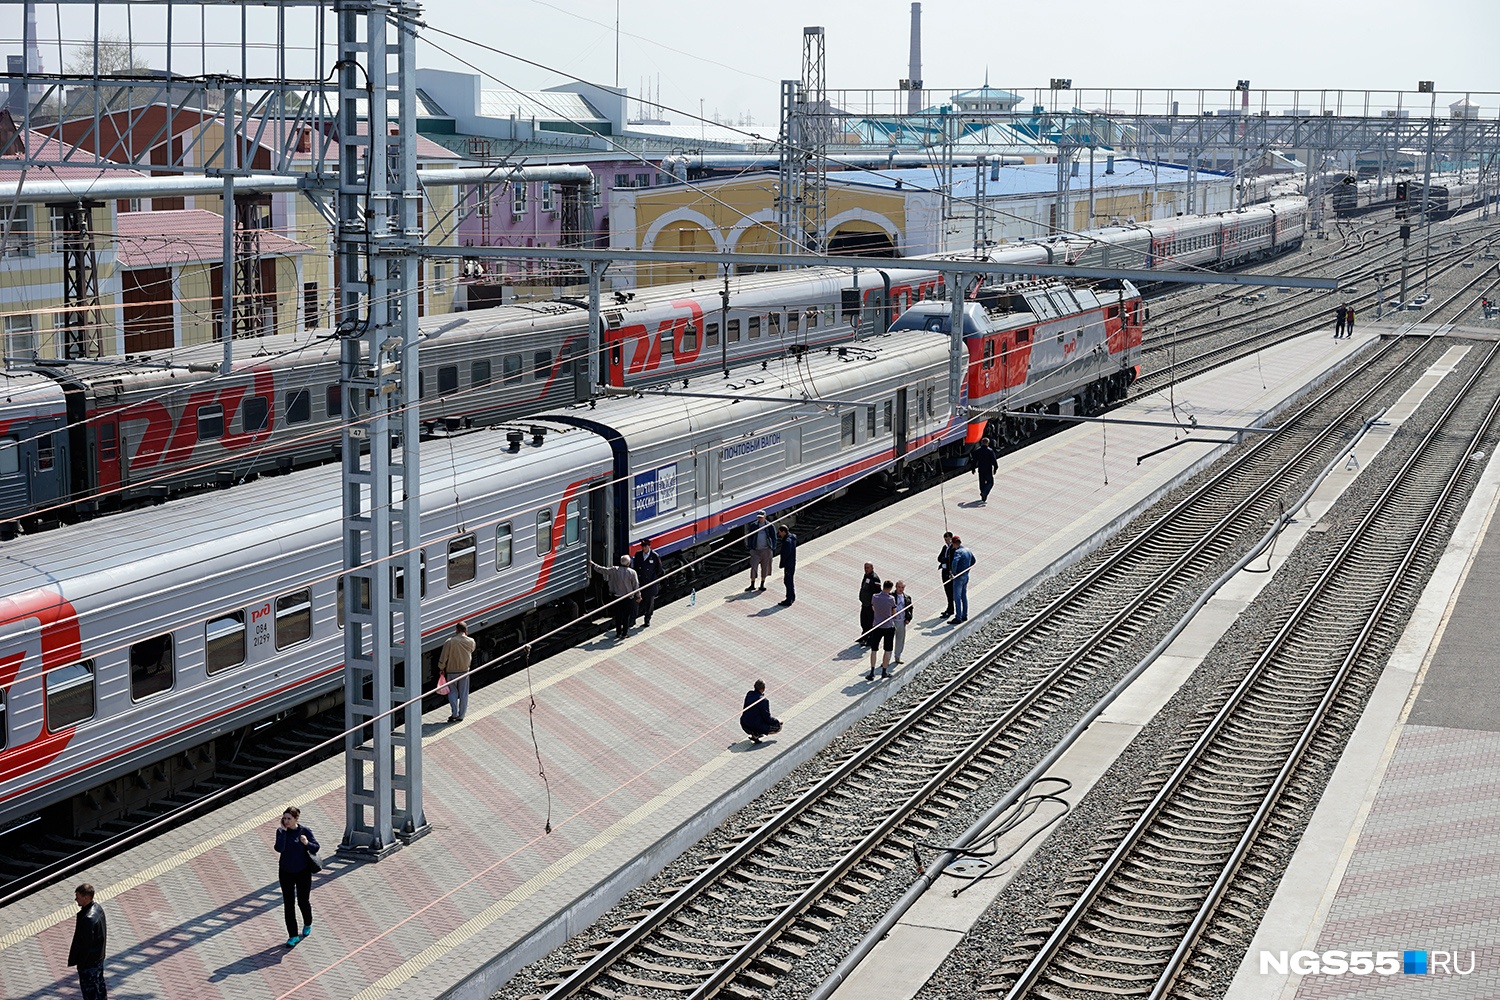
[(131, 647), (1450, 194), (76, 438)]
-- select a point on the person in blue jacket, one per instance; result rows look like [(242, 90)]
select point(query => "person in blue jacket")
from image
[(755, 718), (963, 562), (294, 842), (786, 545)]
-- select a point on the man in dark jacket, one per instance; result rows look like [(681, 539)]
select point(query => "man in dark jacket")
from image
[(982, 460), (787, 545), (869, 586), (945, 566), (648, 569), (89, 938), (755, 718)]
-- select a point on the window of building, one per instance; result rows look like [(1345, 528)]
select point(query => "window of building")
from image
[(510, 368), (479, 374), (255, 413), (573, 527), (20, 336), (210, 422), (502, 546), (481, 196), (398, 578), (543, 532), (447, 379), (622, 180), (293, 618), (846, 430), (549, 201), (224, 642), (518, 198), (16, 236), (541, 364), (331, 398), (463, 559), (642, 180), (70, 695), (754, 324), (734, 331), (150, 667), (57, 223), (598, 195), (299, 407)]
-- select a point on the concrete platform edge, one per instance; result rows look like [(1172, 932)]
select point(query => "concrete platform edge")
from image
[(585, 909)]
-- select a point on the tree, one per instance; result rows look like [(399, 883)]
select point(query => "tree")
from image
[(116, 58)]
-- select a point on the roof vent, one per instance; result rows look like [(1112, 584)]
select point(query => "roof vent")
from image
[(538, 432), (514, 439)]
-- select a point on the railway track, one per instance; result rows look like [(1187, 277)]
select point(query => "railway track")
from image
[(745, 919), (1141, 924)]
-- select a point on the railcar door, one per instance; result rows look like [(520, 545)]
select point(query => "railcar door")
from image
[(48, 461), (705, 486), (901, 432)]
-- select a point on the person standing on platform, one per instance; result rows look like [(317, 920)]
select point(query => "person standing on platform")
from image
[(761, 541), (90, 938), (755, 717), (453, 665), (963, 562), (294, 842), (869, 586), (1349, 323), (625, 587), (945, 566), (1339, 318), (883, 604), (648, 570), (982, 460), (787, 546), (902, 619)]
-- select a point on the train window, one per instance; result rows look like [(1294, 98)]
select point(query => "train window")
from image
[(666, 344), (224, 641), (210, 422), (510, 368), (773, 325), (502, 546), (541, 364), (889, 410), (754, 323), (870, 423), (846, 430), (793, 319), (479, 374), (44, 453), (462, 559), (150, 667), (1112, 312), (421, 384), (109, 443), (812, 319), (573, 526), (732, 331), (364, 594), (398, 578), (565, 369), (710, 335), (989, 353), (293, 618), (930, 394), (447, 379), (1023, 336), (255, 412), (332, 399), (299, 407), (70, 695), (543, 532), (690, 338), (3, 742)]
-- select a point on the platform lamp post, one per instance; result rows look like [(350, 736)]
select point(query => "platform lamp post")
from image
[(1060, 224), (1243, 86), (1428, 87)]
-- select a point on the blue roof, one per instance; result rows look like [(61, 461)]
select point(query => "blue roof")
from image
[(1035, 178)]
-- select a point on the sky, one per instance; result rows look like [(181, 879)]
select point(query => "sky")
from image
[(730, 55)]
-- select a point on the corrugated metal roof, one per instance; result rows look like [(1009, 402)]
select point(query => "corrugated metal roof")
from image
[(704, 132), (1019, 181), (528, 104), (185, 236)]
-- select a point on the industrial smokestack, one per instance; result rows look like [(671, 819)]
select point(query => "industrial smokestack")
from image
[(914, 67), (31, 48)]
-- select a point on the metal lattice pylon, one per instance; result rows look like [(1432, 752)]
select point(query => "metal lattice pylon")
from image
[(377, 282)]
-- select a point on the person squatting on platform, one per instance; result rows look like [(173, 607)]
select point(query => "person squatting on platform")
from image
[(625, 587), (648, 570), (755, 717), (787, 547), (761, 541), (453, 669), (982, 460), (883, 604), (298, 847), (90, 938)]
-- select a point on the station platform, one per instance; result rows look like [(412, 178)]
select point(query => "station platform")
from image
[(639, 741), (1402, 853)]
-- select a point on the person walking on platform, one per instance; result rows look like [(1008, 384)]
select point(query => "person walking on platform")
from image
[(945, 567), (869, 586), (1340, 317), (453, 667), (787, 546), (761, 541), (902, 619), (982, 460), (625, 587), (648, 570), (90, 940), (963, 562), (755, 717), (1349, 323), (298, 847), (883, 605)]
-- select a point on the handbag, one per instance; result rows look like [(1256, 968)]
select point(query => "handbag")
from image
[(313, 861), (442, 687)]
